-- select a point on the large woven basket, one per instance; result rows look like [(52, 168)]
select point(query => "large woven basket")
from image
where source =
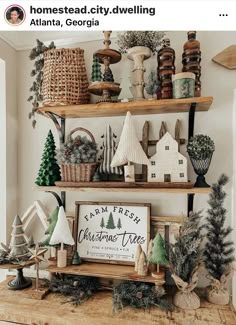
[(78, 172), (65, 80)]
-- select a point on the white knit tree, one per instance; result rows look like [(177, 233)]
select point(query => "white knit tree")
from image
[(129, 150)]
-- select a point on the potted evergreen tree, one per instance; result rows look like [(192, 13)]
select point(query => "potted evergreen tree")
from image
[(218, 253), (185, 257), (200, 149)]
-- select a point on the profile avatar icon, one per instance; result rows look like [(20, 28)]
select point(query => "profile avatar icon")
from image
[(15, 15)]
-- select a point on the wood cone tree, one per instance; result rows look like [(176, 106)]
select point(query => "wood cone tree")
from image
[(110, 222), (158, 252), (142, 264), (151, 266), (137, 256), (49, 171), (18, 244)]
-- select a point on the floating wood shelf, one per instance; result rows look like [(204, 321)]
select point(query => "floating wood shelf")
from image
[(108, 271), (88, 187), (142, 107)]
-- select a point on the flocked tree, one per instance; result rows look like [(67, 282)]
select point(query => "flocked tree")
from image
[(52, 223), (108, 76), (102, 224), (110, 222), (185, 253), (218, 252), (49, 171), (96, 70), (119, 225), (158, 252)]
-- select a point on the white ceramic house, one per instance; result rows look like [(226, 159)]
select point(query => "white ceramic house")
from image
[(167, 165)]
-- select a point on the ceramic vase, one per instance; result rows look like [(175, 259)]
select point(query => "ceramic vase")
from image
[(138, 54)]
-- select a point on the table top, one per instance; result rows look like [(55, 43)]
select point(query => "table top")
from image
[(17, 307)]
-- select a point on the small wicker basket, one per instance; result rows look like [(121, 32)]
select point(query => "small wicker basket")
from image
[(78, 172), (65, 80)]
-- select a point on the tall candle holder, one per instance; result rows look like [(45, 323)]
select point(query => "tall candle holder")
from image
[(106, 88)]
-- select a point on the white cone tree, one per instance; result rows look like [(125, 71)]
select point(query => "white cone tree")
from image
[(129, 150)]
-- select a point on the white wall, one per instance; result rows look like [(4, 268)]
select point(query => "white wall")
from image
[(3, 187), (8, 55), (217, 123)]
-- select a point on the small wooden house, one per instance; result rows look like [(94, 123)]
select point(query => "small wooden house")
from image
[(168, 164)]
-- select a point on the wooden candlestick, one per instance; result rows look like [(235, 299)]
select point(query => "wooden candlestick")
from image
[(129, 173), (107, 41), (61, 257)]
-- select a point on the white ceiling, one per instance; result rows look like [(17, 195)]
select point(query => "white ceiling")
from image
[(26, 40)]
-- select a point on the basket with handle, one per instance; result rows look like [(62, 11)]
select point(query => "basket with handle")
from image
[(82, 172)]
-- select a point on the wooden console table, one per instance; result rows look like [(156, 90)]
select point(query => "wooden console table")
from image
[(16, 308)]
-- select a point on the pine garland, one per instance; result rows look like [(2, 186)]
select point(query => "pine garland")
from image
[(77, 288), (218, 253), (138, 295), (185, 253)]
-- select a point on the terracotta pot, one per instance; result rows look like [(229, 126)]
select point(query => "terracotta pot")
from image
[(138, 54), (218, 296)]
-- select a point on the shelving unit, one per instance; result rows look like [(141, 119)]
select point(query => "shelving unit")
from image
[(102, 188), (59, 114), (108, 271), (143, 107)]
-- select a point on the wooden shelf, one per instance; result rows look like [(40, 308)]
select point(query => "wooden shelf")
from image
[(108, 271), (88, 188), (16, 266), (142, 107)]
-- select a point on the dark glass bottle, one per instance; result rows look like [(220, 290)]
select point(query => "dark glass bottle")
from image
[(165, 69), (191, 60)]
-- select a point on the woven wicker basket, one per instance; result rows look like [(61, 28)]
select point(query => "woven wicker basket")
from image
[(78, 172), (65, 80)]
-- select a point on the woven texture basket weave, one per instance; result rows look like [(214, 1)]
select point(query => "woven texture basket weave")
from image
[(65, 80), (78, 172)]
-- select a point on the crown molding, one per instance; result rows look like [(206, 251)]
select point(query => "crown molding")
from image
[(58, 42)]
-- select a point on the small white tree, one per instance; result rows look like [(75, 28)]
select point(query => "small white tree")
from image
[(129, 150)]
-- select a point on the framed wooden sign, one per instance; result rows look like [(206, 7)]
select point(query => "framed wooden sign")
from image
[(110, 232)]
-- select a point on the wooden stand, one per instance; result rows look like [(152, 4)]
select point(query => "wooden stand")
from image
[(105, 89), (61, 258), (129, 173), (107, 271), (107, 56), (20, 282)]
